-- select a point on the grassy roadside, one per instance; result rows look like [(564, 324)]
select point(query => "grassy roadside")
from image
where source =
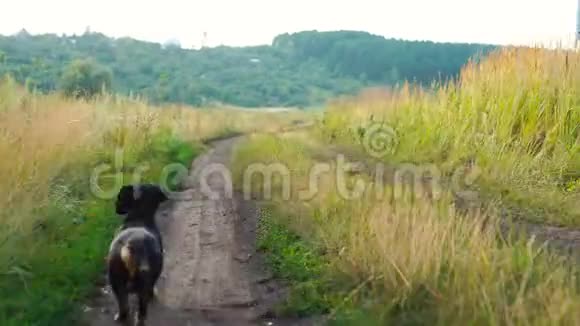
[(407, 260), (400, 261), (55, 229), (295, 261), (316, 288), (55, 226), (48, 281), (515, 116)]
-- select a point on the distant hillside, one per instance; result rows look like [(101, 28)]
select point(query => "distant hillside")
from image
[(296, 70)]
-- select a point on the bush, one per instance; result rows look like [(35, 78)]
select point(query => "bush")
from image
[(85, 78)]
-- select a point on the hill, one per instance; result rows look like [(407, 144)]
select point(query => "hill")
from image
[(298, 69)]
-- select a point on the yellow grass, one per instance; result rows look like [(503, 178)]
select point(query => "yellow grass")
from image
[(40, 135), (54, 229), (516, 115), (418, 260)]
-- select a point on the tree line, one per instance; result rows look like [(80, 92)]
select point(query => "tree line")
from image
[(299, 69)]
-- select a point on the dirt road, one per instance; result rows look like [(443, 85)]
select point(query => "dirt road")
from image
[(213, 274)]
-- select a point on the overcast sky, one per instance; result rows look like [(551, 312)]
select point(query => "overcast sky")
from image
[(250, 22)]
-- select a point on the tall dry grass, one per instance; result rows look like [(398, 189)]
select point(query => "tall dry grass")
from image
[(41, 136), (516, 115), (413, 261), (54, 230)]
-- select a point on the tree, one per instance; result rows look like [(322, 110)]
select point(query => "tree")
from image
[(85, 78), (304, 68)]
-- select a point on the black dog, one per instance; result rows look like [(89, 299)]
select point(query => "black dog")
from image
[(135, 259), (139, 203)]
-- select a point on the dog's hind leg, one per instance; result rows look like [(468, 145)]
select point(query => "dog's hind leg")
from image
[(122, 297), (123, 306), (144, 298)]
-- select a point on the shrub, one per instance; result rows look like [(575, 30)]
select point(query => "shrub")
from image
[(85, 78)]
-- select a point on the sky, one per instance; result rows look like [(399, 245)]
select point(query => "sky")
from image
[(253, 22)]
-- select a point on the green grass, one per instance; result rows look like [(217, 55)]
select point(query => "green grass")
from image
[(516, 118), (47, 284), (293, 260), (398, 261), (54, 227), (515, 115), (318, 289), (315, 288), (414, 261)]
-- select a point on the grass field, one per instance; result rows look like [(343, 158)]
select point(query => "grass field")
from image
[(55, 228), (516, 116), (410, 260)]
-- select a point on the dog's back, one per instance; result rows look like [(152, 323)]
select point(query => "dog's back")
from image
[(135, 259), (149, 227), (135, 263)]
